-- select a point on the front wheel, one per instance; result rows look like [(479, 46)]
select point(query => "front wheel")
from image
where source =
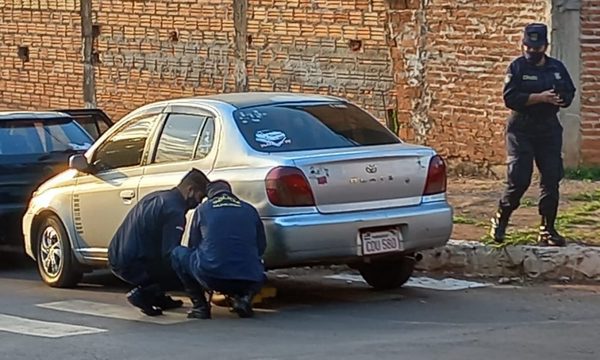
[(55, 261), (389, 274)]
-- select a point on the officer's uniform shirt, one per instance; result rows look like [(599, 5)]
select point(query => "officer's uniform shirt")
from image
[(150, 230), (523, 79), (229, 240)]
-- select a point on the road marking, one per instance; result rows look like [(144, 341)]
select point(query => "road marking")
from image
[(421, 282), (121, 312), (20, 325)]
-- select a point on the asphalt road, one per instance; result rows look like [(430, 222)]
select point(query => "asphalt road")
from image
[(311, 318)]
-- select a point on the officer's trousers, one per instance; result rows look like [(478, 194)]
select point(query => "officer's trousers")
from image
[(523, 149), (145, 274), (196, 283)]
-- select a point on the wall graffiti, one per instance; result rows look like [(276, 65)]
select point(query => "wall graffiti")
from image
[(187, 62)]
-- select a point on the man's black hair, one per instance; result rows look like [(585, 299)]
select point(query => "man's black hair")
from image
[(195, 178), (217, 187)]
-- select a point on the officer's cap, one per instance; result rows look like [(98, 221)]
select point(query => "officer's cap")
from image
[(535, 35)]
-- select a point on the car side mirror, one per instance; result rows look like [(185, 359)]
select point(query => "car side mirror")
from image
[(79, 162)]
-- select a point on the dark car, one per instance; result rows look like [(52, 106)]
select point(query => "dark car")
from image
[(34, 146)]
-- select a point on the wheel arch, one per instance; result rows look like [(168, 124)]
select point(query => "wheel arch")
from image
[(36, 223)]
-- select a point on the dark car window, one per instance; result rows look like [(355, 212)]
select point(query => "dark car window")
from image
[(90, 126), (21, 137), (126, 146), (285, 127), (178, 138)]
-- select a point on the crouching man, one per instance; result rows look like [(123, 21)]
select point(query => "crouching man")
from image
[(140, 251), (226, 245)]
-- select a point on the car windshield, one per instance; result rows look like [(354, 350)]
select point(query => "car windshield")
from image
[(22, 137), (297, 127)]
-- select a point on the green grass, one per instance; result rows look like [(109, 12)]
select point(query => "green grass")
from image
[(568, 223), (589, 196), (583, 173), (528, 202), (459, 219)]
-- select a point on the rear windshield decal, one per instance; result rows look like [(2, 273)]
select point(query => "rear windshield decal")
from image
[(254, 116), (271, 138)]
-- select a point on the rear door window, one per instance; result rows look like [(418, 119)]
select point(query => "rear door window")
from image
[(298, 127), (178, 139)]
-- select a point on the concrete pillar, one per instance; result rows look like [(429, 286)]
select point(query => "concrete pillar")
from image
[(240, 21), (566, 46), (87, 42)]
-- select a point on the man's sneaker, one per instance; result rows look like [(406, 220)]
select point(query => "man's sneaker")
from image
[(550, 237), (242, 305), (138, 298), (166, 302)]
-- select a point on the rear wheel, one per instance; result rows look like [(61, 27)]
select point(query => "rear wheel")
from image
[(55, 261), (389, 274)]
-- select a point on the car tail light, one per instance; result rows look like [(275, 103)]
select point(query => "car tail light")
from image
[(287, 186), (436, 176)]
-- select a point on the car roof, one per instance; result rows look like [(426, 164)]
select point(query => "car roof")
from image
[(31, 115), (249, 99)]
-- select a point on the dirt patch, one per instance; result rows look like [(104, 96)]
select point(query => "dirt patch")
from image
[(475, 201)]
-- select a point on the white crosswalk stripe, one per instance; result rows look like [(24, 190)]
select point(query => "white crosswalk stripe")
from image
[(121, 312), (49, 329)]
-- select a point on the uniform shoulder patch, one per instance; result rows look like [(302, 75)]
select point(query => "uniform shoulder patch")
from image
[(507, 78)]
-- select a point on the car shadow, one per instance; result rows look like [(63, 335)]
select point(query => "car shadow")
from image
[(312, 289)]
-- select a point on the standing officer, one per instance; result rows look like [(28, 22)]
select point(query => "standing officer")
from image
[(226, 245), (535, 87), (140, 250)]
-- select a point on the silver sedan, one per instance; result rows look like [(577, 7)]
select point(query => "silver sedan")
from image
[(332, 185)]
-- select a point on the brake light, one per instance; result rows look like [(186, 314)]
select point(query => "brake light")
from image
[(436, 176), (287, 186)]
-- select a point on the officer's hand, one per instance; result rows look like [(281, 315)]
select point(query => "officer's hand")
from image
[(550, 97)]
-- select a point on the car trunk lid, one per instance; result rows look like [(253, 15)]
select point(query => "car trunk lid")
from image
[(373, 177)]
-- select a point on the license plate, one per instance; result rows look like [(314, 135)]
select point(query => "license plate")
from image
[(381, 241)]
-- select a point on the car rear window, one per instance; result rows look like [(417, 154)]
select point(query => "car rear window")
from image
[(298, 127), (21, 137)]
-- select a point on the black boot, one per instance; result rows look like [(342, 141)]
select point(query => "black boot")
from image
[(548, 235), (242, 305), (200, 307), (143, 297), (499, 225), (166, 302)]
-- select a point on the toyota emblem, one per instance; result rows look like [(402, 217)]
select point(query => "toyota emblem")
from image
[(371, 169)]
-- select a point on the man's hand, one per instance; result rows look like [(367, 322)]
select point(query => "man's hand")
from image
[(548, 96)]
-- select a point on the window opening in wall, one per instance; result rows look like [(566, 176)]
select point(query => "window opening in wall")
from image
[(23, 53)]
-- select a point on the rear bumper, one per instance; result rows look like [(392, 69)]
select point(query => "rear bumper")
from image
[(333, 238)]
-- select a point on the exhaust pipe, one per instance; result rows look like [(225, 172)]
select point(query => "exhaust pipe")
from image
[(416, 258)]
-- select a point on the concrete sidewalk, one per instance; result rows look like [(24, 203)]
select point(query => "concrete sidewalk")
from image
[(473, 258)]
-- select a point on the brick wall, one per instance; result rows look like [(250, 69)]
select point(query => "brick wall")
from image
[(590, 79), (53, 75), (440, 63), (307, 45), (450, 73), (154, 50)]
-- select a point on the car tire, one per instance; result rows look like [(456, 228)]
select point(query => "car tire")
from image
[(387, 275), (56, 264)]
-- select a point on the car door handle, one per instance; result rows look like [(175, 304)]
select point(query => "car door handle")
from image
[(127, 194)]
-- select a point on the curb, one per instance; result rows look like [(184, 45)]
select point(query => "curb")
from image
[(473, 258)]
